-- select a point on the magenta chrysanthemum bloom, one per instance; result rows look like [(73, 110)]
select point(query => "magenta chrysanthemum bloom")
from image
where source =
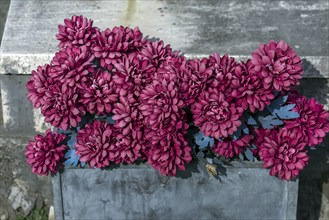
[(168, 152), (230, 148), (162, 107), (72, 66), (156, 52), (248, 88), (100, 95), (278, 65), (96, 144), (284, 153), (61, 107), (129, 148), (112, 44), (313, 123), (127, 116), (223, 68), (192, 76), (77, 31), (215, 116), (133, 74), (38, 85), (45, 153)]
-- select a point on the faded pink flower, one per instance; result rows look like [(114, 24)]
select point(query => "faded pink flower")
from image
[(230, 148), (248, 88), (72, 67), (77, 31), (45, 153), (61, 107), (216, 116), (313, 123), (168, 153), (162, 107), (96, 144), (100, 94), (38, 85), (112, 44), (284, 153), (278, 65)]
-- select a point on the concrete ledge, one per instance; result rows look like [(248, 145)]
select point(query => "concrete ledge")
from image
[(314, 66)]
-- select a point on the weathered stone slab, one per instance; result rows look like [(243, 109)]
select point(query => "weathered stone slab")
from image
[(195, 27), (19, 117), (139, 192)]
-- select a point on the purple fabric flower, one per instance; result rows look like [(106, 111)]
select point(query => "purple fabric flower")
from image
[(169, 152), (215, 116), (284, 153), (248, 88), (278, 65), (100, 94), (156, 52), (313, 123), (133, 74), (38, 85), (230, 148), (61, 107), (45, 153), (96, 144), (76, 32), (72, 66), (162, 107), (111, 45)]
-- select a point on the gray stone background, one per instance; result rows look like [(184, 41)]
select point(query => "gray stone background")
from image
[(198, 27)]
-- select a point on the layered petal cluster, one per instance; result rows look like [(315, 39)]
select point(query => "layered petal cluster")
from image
[(229, 147), (162, 107), (192, 76), (99, 94), (96, 144), (168, 153), (223, 70), (45, 153), (278, 65), (284, 153), (61, 106), (156, 52), (216, 116), (72, 67), (247, 88), (129, 148), (133, 74), (313, 123), (38, 85), (128, 116), (111, 45), (77, 31)]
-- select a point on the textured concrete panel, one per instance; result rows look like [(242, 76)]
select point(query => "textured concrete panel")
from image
[(17, 110), (195, 27), (139, 192)]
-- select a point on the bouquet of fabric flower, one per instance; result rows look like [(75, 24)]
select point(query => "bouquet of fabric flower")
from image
[(114, 96)]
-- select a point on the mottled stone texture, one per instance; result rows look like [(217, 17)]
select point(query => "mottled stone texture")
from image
[(196, 27), (20, 189), (4, 5), (139, 192)]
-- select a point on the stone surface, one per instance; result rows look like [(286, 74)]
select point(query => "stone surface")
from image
[(216, 25), (20, 189), (3, 15), (139, 192)]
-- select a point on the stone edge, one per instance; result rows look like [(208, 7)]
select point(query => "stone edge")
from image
[(24, 64), (58, 199)]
